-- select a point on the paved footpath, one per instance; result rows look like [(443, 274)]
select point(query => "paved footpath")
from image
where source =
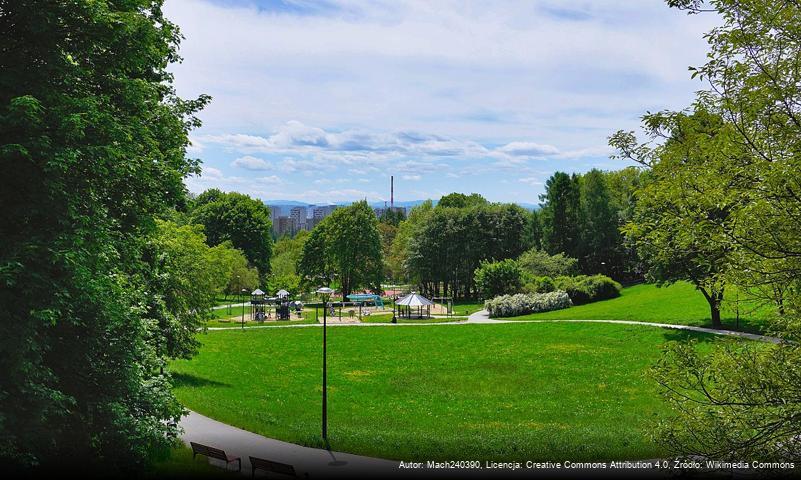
[(321, 463), (483, 317), (314, 461)]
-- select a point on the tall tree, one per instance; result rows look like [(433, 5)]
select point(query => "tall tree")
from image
[(743, 401), (355, 247), (240, 219), (92, 146), (286, 254), (409, 229), (561, 215), (676, 225), (345, 247), (600, 236)]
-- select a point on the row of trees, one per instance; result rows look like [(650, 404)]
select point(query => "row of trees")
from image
[(582, 215), (439, 248)]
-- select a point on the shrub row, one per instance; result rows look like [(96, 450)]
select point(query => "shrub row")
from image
[(523, 303), (581, 288)]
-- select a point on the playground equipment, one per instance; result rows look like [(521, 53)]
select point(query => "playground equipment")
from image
[(362, 298), (258, 304), (443, 305)]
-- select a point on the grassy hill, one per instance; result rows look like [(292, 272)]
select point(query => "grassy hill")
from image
[(680, 303)]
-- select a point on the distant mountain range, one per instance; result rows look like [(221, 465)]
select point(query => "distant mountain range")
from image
[(408, 204)]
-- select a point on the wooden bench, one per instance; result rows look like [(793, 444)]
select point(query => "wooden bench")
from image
[(215, 453), (273, 467)]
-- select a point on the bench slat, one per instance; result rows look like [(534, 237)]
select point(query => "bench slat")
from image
[(271, 466)]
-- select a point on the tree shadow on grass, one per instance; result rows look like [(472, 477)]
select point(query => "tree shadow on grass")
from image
[(675, 335), (188, 380)]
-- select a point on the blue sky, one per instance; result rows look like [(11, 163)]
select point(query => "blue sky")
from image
[(322, 101)]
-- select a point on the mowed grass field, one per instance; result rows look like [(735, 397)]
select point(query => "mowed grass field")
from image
[(679, 303), (510, 391)]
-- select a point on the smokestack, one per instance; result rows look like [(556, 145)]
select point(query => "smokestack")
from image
[(392, 191)]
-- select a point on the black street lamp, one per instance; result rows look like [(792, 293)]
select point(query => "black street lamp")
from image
[(325, 292), (243, 291)]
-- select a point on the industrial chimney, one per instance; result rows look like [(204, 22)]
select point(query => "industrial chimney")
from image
[(392, 191)]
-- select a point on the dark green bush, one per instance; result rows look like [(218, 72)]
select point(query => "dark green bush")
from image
[(586, 289), (539, 285), (498, 278)]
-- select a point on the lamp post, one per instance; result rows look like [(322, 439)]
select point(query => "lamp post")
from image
[(243, 291), (325, 292)]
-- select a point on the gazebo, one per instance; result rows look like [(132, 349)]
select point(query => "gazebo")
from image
[(410, 302)]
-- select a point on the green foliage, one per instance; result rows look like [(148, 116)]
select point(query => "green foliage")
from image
[(729, 173), (387, 232), (445, 245), (239, 219), (392, 217), (539, 285), (726, 401), (586, 289), (677, 222), (345, 247), (92, 146), (287, 252), (460, 200), (498, 278), (398, 260), (600, 235), (561, 215), (187, 274), (581, 217), (537, 262)]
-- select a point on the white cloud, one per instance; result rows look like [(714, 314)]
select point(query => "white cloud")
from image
[(211, 173), (529, 149), (458, 92), (251, 163), (532, 181)]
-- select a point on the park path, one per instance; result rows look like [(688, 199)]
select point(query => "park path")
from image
[(233, 305), (316, 462), (322, 463), (482, 317)]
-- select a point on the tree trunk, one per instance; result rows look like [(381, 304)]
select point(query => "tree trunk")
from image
[(715, 315), (714, 298)]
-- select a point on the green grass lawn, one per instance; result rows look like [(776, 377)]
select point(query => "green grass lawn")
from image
[(511, 391), (679, 303), (234, 311)]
